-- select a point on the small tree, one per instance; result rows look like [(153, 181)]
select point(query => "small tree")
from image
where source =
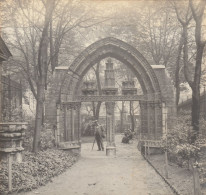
[(193, 11)]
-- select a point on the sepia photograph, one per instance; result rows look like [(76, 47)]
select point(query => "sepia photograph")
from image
[(103, 97)]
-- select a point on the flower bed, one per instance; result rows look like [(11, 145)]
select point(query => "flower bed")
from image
[(36, 169)]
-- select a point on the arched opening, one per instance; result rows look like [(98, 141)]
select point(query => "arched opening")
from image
[(152, 120), (111, 47)]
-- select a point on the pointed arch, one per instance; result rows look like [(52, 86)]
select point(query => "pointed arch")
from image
[(115, 48)]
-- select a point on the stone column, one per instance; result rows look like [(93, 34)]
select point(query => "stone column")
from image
[(144, 119), (110, 148), (164, 118), (65, 123), (73, 121), (72, 124), (79, 122), (76, 121), (158, 115), (57, 133), (151, 120)]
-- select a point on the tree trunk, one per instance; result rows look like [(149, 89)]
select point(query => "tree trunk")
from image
[(185, 56), (200, 44), (177, 71), (42, 69), (39, 113), (196, 92), (1, 96), (94, 110), (99, 91), (98, 110)]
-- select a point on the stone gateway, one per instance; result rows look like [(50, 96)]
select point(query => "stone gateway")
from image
[(157, 103)]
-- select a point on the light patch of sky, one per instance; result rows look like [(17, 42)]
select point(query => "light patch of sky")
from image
[(120, 10)]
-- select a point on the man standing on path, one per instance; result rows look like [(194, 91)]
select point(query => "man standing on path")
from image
[(99, 135)]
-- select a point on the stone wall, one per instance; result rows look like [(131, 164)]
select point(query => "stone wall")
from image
[(167, 91)]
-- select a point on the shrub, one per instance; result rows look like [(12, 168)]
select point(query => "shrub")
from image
[(28, 139), (203, 128), (179, 146), (47, 139), (187, 152)]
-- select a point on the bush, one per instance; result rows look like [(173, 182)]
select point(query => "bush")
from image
[(187, 152), (37, 169), (28, 139), (47, 139), (88, 128), (203, 128), (179, 146)]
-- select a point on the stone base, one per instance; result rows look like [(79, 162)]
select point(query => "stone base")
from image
[(111, 151), (74, 147)]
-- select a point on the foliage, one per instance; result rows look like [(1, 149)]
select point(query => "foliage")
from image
[(88, 127), (187, 151), (28, 139), (202, 128), (178, 142), (37, 169), (11, 113), (47, 139)]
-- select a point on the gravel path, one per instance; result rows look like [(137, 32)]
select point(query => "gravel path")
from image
[(96, 174)]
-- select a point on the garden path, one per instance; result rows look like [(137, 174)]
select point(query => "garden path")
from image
[(96, 174)]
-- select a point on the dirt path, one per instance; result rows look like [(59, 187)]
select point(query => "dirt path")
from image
[(96, 174)]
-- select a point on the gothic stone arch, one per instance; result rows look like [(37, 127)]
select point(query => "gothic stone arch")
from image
[(151, 78)]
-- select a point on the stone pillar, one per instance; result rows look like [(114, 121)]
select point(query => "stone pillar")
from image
[(65, 123), (164, 118), (144, 119), (72, 124), (158, 118), (79, 122), (110, 90), (152, 121), (110, 148), (57, 133), (72, 121)]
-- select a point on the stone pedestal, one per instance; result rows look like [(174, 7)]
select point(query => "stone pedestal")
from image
[(111, 151), (11, 138)]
